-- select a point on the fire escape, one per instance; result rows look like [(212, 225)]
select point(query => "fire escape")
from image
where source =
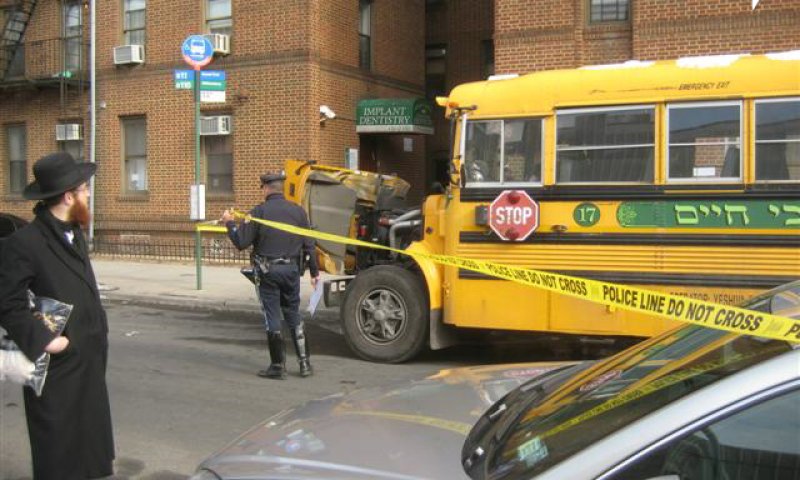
[(54, 63)]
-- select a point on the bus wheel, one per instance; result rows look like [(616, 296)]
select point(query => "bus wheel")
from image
[(385, 314)]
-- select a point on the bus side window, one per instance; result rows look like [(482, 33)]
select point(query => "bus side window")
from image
[(482, 156), (778, 139), (503, 151), (771, 162), (522, 162), (605, 145), (704, 141)]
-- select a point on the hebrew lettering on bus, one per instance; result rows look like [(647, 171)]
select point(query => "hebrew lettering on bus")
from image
[(691, 215), (749, 214), (791, 211)]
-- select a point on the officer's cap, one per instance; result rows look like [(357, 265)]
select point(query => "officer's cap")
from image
[(268, 178)]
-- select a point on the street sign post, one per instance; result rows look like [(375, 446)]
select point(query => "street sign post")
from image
[(197, 52), (513, 215)]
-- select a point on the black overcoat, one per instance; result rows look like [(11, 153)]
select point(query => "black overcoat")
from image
[(70, 424)]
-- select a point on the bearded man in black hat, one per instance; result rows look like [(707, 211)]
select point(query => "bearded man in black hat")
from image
[(70, 424), (278, 260)]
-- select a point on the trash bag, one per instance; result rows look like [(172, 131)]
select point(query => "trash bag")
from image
[(14, 365)]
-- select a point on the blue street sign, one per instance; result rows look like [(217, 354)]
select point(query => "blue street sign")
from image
[(184, 79), (213, 75), (197, 51)]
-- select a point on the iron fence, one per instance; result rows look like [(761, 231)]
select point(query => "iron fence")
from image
[(214, 250)]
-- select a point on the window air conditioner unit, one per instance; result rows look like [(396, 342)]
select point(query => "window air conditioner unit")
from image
[(220, 42), (219, 125), (68, 131), (128, 54)]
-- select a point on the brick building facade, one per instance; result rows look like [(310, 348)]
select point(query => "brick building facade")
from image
[(546, 34), (290, 57)]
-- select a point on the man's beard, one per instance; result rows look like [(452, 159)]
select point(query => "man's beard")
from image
[(79, 213)]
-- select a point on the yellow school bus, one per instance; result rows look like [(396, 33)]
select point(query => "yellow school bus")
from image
[(681, 176)]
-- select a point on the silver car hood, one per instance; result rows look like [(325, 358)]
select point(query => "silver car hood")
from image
[(412, 430)]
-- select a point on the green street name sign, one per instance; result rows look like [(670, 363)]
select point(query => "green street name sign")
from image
[(212, 80), (394, 115)]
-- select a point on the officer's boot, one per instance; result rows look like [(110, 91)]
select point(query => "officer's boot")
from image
[(301, 346), (277, 355)]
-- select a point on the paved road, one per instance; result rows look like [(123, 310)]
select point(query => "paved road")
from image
[(182, 384)]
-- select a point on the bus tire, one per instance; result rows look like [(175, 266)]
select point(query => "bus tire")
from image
[(385, 314)]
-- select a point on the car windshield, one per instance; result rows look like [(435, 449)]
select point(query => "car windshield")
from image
[(616, 392)]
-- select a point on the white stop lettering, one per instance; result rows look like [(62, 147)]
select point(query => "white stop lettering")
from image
[(514, 215)]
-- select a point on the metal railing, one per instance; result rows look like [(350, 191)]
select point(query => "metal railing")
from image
[(216, 250), (52, 60)]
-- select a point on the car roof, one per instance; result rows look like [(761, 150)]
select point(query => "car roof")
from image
[(713, 399), (10, 223)]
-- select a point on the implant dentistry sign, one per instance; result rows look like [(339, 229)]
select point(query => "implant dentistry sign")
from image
[(394, 115)]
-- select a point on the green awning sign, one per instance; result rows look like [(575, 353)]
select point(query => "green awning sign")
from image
[(394, 115)]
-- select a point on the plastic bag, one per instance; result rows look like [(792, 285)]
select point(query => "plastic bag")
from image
[(14, 365)]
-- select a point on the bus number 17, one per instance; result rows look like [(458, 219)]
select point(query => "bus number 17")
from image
[(586, 214)]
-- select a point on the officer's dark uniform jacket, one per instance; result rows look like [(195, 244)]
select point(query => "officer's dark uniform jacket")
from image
[(271, 243)]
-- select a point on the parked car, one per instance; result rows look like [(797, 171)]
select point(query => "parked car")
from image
[(8, 225), (694, 403)]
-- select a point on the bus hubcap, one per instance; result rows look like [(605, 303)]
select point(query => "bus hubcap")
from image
[(382, 316)]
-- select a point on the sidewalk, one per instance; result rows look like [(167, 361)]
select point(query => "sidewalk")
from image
[(175, 285)]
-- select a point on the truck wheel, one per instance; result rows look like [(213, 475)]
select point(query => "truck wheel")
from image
[(385, 314)]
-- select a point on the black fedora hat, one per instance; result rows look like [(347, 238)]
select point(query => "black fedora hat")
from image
[(55, 174)]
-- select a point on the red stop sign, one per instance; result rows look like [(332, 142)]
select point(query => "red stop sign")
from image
[(514, 215)]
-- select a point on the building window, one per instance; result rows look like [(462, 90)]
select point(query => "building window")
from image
[(219, 163), (15, 54), (219, 18), (134, 131), (134, 22), (74, 148), (778, 140), (16, 139), (487, 58), (435, 70), (704, 142), (365, 34), (605, 145), (73, 34), (609, 10)]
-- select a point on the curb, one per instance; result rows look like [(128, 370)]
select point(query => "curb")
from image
[(187, 303)]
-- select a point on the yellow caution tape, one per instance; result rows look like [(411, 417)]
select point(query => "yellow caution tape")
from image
[(665, 305), (203, 227), (661, 383)]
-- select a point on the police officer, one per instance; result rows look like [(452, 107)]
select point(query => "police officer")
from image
[(277, 259)]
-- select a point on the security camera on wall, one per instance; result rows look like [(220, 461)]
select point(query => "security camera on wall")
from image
[(326, 113)]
